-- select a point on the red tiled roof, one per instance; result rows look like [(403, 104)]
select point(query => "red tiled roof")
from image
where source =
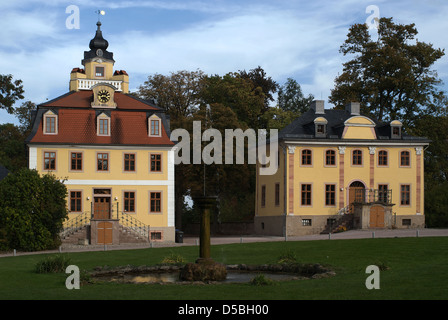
[(83, 99), (77, 121), (79, 127)]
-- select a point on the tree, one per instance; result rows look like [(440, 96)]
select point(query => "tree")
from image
[(178, 93), (291, 98), (10, 92), (24, 114), (390, 77), (12, 147), (32, 210)]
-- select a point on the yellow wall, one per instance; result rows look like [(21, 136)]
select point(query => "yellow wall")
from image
[(318, 175), (145, 181)]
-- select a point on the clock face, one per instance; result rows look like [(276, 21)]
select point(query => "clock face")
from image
[(103, 96)]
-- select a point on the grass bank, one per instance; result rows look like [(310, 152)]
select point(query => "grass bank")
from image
[(416, 269)]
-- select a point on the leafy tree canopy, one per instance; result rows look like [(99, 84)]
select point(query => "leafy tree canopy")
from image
[(10, 91), (32, 210), (391, 77)]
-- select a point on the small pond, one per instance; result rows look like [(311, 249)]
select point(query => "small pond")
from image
[(235, 273), (173, 277)]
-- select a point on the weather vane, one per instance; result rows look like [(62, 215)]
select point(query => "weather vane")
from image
[(100, 12)]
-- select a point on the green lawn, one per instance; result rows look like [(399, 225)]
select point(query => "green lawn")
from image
[(417, 269)]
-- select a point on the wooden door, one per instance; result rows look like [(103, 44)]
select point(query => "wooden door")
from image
[(376, 217), (105, 230), (355, 194), (101, 208)]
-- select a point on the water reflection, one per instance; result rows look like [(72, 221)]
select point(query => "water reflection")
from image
[(172, 277)]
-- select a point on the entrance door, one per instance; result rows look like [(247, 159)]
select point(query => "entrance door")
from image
[(377, 217), (104, 233), (101, 208), (355, 194)]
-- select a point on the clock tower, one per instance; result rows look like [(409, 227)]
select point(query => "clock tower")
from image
[(98, 68)]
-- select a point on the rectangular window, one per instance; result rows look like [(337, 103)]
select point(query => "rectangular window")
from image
[(103, 161), (405, 195), (306, 222), (306, 195), (330, 158), (156, 201), (330, 194), (155, 130), (103, 127), (263, 196), (306, 157), (99, 71), (382, 158), (75, 201), (357, 158), (49, 160), (129, 201), (406, 222), (50, 124), (382, 193), (156, 163), (76, 161), (277, 194), (129, 162), (156, 236)]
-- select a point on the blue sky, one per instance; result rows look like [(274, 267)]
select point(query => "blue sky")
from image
[(296, 39)]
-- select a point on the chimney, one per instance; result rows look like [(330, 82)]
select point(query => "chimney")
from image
[(353, 108), (318, 106)]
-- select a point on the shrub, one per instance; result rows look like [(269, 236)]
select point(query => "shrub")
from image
[(173, 258), (287, 257), (53, 264), (261, 280), (32, 209)]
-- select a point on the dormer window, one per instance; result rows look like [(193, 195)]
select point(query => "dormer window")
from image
[(154, 126), (320, 124), (103, 125), (50, 123), (396, 129)]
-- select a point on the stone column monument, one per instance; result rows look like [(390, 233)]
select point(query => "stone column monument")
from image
[(205, 268)]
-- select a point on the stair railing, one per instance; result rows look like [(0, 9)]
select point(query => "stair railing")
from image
[(130, 222), (75, 224)]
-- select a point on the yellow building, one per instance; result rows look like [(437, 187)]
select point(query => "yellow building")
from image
[(341, 169), (112, 149)]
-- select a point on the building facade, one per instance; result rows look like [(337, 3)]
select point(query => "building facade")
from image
[(339, 169), (112, 150)]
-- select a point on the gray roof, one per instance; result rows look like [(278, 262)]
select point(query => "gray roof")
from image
[(303, 128)]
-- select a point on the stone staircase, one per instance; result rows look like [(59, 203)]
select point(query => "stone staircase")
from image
[(82, 236), (343, 223)]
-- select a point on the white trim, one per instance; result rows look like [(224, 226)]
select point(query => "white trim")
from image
[(371, 124), (117, 182), (171, 194), (375, 143), (102, 147), (32, 161)]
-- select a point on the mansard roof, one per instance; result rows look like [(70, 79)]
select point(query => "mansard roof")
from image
[(303, 128)]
